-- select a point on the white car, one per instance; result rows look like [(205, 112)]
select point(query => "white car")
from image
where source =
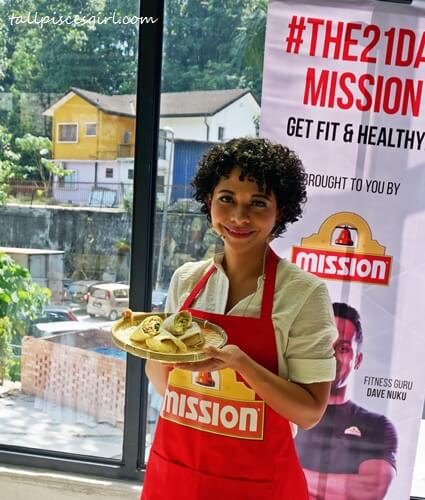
[(108, 300)]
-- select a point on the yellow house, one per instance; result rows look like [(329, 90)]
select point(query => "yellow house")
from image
[(92, 126), (93, 136)]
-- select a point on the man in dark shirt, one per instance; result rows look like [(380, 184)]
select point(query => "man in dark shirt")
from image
[(350, 454)]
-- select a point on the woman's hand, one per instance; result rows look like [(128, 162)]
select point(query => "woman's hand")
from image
[(229, 356)]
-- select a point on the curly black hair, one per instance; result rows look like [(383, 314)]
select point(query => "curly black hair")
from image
[(274, 168)]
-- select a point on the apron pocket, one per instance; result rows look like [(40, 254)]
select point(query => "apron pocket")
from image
[(166, 480)]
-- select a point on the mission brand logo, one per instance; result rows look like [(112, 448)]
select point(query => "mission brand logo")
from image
[(344, 249), (214, 402)]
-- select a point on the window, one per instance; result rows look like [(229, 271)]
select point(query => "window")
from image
[(220, 134), (130, 174), (127, 136), (80, 384), (160, 184), (69, 181), (162, 145), (91, 129), (67, 132)]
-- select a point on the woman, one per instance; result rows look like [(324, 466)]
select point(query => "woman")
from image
[(225, 429)]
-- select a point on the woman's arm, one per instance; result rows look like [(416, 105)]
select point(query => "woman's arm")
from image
[(157, 374), (303, 404)]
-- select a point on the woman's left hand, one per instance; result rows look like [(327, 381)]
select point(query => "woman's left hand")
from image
[(229, 356)]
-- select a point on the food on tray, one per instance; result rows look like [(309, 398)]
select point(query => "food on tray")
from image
[(166, 342), (178, 323), (193, 336), (175, 334), (148, 328)]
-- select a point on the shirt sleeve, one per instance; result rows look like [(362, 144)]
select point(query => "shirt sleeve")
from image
[(386, 447), (171, 304), (309, 351)]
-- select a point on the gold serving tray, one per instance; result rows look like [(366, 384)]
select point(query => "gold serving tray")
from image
[(214, 336)]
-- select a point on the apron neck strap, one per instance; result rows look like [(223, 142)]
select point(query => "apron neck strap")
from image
[(272, 261), (198, 288), (269, 285)]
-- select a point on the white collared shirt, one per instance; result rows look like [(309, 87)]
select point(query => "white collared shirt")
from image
[(302, 314)]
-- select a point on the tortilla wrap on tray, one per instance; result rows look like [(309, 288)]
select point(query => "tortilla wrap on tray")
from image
[(177, 323), (166, 342), (193, 337), (149, 327)]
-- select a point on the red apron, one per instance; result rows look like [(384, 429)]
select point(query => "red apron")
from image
[(216, 439)]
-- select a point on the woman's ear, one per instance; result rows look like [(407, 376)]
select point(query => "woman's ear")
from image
[(208, 201)]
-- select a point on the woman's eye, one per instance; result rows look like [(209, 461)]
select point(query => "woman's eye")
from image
[(226, 199), (259, 203)]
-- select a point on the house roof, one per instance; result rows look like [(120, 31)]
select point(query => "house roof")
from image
[(193, 103), (198, 102)]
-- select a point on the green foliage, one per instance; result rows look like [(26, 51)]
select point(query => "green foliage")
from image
[(21, 300), (8, 163), (44, 59), (207, 45), (14, 369), (249, 42), (5, 348), (199, 45), (32, 149)]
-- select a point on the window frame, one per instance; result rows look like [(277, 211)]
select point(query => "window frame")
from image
[(90, 135), (132, 463), (220, 133), (162, 145), (58, 141)]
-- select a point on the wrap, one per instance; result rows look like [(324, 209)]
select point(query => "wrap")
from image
[(148, 328), (177, 323), (166, 342), (193, 337)]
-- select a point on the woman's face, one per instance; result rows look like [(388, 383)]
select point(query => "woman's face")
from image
[(242, 213)]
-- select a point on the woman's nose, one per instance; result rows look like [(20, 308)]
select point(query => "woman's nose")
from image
[(240, 214)]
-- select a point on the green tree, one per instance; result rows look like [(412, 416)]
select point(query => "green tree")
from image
[(250, 41), (33, 150), (8, 163), (198, 44), (5, 347), (44, 59), (200, 49), (21, 300)]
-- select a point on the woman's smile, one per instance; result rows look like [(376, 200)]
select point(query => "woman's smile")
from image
[(239, 232)]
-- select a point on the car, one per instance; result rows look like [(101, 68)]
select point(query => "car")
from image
[(159, 298), (108, 300), (47, 329), (52, 314), (78, 292)]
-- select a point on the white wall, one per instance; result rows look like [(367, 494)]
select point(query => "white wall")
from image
[(186, 127), (237, 119)]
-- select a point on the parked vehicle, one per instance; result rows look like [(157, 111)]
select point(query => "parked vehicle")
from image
[(78, 292), (47, 329), (52, 314), (159, 298), (108, 300)]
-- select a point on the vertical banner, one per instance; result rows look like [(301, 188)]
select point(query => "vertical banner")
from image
[(344, 87)]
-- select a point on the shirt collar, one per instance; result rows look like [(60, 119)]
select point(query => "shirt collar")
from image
[(218, 262)]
